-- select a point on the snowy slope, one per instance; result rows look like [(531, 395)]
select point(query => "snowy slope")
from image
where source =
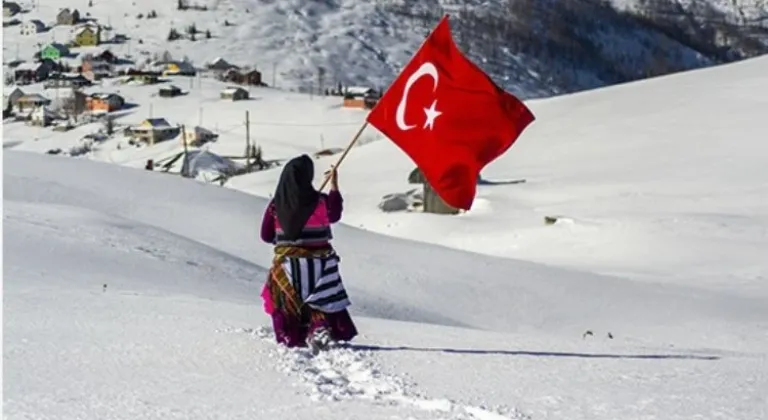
[(660, 180), (131, 294)]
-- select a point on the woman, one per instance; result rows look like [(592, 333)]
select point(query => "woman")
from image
[(304, 293)]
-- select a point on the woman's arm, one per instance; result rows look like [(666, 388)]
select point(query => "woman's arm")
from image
[(268, 225), (335, 204)]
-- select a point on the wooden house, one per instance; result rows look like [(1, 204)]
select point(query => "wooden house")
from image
[(197, 136), (32, 27), (11, 8), (31, 101), (26, 73), (142, 76), (360, 97), (93, 68), (14, 96), (105, 102), (179, 68), (67, 17), (154, 130), (169, 91), (220, 65), (107, 56), (70, 101), (54, 51), (244, 77), (87, 36), (58, 81), (234, 93)]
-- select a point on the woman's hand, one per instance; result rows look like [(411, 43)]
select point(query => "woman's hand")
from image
[(333, 176)]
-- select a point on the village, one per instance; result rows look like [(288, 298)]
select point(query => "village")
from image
[(79, 84)]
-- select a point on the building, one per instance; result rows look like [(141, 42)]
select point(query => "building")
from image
[(58, 81), (31, 101), (220, 65), (12, 99), (94, 69), (26, 73), (234, 93), (169, 91), (54, 51), (360, 97), (67, 17), (32, 27), (179, 68), (245, 77), (87, 36), (154, 130), (11, 8), (198, 136), (144, 77), (105, 102)]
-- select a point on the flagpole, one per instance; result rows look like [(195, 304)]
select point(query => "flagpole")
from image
[(346, 151)]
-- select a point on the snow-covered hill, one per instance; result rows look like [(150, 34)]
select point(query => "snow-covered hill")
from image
[(132, 294), (532, 48)]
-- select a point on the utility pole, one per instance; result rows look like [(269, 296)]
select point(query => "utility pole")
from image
[(320, 76), (200, 117), (150, 110), (247, 141), (185, 164)]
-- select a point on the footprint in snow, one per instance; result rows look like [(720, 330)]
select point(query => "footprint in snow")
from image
[(345, 373)]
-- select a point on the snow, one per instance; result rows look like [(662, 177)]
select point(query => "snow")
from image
[(132, 294)]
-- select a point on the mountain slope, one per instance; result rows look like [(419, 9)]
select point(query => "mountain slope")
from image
[(532, 48), (149, 307)]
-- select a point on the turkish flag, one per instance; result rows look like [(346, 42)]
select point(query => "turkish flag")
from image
[(449, 117)]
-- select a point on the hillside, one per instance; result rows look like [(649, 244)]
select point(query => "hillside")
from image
[(132, 294), (532, 48)]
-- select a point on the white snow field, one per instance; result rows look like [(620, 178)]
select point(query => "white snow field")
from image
[(130, 294)]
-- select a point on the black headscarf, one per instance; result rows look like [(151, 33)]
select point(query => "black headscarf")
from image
[(295, 197)]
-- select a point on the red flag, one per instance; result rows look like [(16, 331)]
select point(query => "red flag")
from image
[(449, 117)]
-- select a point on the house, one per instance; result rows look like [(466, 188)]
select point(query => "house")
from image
[(67, 17), (69, 101), (169, 91), (220, 64), (95, 69), (360, 97), (246, 77), (14, 96), (58, 81), (154, 130), (26, 73), (42, 116), (105, 102), (197, 136), (252, 77), (11, 8), (142, 76), (87, 36), (31, 101), (179, 68), (32, 27), (107, 56), (54, 51), (234, 93)]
